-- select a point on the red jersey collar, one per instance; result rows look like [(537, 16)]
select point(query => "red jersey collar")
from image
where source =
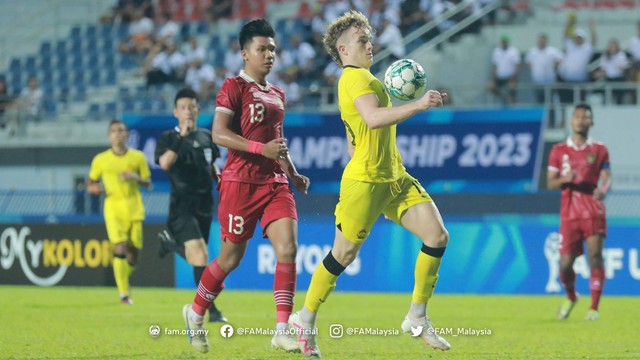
[(572, 144), (246, 76)]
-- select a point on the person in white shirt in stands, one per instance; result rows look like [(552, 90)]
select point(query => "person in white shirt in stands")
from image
[(201, 78), (168, 30), (505, 70), (543, 60), (634, 49), (194, 50), (390, 38), (167, 66), (613, 66), (233, 58), (578, 53)]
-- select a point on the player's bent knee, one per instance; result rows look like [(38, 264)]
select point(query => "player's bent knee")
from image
[(287, 252)]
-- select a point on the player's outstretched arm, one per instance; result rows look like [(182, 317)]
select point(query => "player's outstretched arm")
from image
[(377, 117), (94, 187)]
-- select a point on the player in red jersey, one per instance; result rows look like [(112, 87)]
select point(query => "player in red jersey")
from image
[(581, 168), (248, 121)]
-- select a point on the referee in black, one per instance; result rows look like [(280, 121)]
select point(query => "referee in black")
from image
[(187, 154)]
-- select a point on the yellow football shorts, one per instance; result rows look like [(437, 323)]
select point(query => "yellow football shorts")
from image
[(361, 204), (121, 230)]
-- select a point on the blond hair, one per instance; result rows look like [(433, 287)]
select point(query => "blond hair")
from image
[(338, 27)]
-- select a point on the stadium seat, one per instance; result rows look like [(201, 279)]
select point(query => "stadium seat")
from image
[(109, 62), (91, 33), (106, 32), (111, 109), (94, 78), (94, 112), (15, 65), (110, 78), (63, 79), (45, 63), (80, 93), (30, 64), (79, 79), (75, 33), (107, 46), (45, 48), (128, 105), (61, 62), (92, 47), (61, 47)]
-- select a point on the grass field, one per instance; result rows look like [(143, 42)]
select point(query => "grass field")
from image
[(89, 323)]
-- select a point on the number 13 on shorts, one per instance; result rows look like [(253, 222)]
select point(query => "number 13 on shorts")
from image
[(236, 224)]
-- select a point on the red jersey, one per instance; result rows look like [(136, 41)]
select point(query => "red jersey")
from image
[(586, 161), (258, 115)]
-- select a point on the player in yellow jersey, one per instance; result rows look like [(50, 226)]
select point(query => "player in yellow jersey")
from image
[(374, 182), (122, 171)]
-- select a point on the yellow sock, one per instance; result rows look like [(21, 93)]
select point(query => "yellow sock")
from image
[(322, 284), (130, 269), (121, 274), (426, 274)]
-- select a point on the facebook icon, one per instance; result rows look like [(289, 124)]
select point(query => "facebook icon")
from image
[(226, 331)]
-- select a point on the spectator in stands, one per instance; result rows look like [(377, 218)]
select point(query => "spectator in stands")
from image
[(194, 50), (300, 55), (613, 66), (167, 66), (505, 70), (218, 9), (168, 30), (31, 99), (332, 73), (290, 86), (125, 10), (439, 8), (140, 35), (634, 48), (201, 78), (390, 38), (578, 52), (6, 102), (221, 75), (334, 8), (233, 58), (543, 60)]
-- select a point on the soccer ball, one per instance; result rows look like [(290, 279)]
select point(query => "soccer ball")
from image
[(405, 79)]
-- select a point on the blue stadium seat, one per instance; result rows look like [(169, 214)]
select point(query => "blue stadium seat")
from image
[(79, 79), (107, 46), (109, 62), (61, 62), (15, 65), (106, 31), (45, 63), (214, 42), (63, 79), (75, 32), (94, 78), (122, 31), (80, 93), (124, 93), (76, 46), (92, 47), (50, 107), (77, 62), (61, 47), (30, 64), (111, 109), (45, 48), (91, 32), (203, 27), (93, 60), (94, 111), (47, 79), (110, 78), (147, 105), (128, 105)]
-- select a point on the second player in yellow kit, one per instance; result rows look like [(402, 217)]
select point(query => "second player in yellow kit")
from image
[(122, 172), (374, 182)]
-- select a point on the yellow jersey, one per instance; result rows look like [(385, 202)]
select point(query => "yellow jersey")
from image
[(123, 199), (376, 157)]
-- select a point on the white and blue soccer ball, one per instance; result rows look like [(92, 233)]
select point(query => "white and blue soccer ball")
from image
[(405, 79)]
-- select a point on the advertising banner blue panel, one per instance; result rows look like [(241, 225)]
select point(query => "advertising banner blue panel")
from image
[(447, 150), (486, 255)]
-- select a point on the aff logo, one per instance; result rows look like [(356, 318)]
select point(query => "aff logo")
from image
[(15, 245), (614, 260)]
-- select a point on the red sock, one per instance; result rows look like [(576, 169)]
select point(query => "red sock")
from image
[(284, 288), (568, 279), (596, 283), (210, 286)]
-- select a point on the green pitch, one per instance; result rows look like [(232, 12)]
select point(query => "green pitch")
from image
[(89, 323)]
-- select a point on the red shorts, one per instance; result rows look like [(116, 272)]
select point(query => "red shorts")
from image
[(243, 204), (574, 232)]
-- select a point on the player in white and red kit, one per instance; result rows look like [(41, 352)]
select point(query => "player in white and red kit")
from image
[(248, 121), (581, 168)]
